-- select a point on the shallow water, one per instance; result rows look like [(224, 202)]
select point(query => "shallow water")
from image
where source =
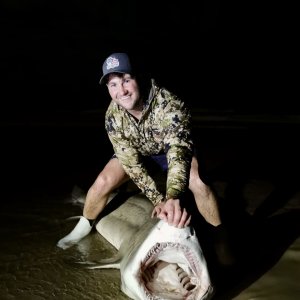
[(32, 267), (35, 208)]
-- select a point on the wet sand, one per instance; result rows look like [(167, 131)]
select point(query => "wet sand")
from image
[(253, 167)]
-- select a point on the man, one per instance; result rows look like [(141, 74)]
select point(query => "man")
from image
[(146, 122)]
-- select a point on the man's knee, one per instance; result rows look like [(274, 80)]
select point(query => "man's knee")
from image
[(102, 185), (195, 181), (199, 188)]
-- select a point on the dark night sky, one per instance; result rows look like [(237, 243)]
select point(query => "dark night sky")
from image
[(214, 55), (236, 57)]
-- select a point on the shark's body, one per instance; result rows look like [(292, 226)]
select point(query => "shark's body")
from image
[(156, 260)]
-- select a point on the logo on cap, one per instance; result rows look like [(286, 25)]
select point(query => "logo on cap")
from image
[(112, 62)]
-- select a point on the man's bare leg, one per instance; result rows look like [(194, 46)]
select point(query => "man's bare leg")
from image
[(111, 177), (204, 196), (207, 205)]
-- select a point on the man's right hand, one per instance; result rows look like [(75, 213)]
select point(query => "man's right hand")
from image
[(171, 212)]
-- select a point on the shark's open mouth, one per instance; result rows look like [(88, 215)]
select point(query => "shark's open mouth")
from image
[(170, 271)]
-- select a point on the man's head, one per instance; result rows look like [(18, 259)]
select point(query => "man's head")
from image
[(116, 63), (121, 83)]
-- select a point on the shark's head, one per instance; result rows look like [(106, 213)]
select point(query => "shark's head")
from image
[(168, 264)]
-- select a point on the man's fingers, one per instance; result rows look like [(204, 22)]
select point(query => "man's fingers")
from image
[(188, 221), (177, 216), (171, 213), (156, 211), (163, 216), (183, 219), (170, 217)]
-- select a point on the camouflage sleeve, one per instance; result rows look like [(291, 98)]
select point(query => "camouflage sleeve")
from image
[(179, 147), (130, 160)]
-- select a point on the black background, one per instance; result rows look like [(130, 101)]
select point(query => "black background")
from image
[(216, 55), (233, 62)]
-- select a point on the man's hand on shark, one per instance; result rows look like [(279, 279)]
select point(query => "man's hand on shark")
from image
[(171, 212)]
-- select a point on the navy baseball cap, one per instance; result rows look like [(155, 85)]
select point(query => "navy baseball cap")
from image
[(116, 63)]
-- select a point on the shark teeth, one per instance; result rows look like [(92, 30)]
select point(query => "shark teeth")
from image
[(187, 282), (156, 257)]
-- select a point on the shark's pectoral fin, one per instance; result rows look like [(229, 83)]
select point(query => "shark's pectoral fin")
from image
[(87, 264), (106, 263), (106, 266)]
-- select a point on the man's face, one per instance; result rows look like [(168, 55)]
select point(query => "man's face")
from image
[(124, 90)]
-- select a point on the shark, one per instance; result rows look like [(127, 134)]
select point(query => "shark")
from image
[(156, 260)]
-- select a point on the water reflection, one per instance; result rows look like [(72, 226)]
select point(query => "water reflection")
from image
[(32, 267)]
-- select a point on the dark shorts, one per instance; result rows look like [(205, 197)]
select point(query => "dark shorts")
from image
[(159, 159), (154, 161)]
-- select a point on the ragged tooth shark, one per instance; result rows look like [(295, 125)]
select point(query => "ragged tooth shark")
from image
[(156, 260)]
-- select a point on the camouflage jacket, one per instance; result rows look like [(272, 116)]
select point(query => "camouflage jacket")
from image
[(165, 127)]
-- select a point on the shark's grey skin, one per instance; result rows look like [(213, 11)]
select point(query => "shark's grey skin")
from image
[(156, 260)]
